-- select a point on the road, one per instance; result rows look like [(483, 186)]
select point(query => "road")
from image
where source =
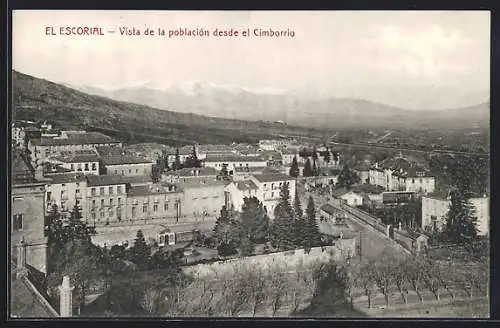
[(374, 244)]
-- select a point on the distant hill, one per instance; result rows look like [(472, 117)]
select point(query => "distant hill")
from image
[(331, 113), (38, 99)]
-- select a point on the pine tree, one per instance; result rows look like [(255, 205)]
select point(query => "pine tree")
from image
[(327, 156), (177, 163), (294, 169), (347, 178), (282, 236), (299, 223), (312, 234), (140, 252), (193, 161), (315, 170), (314, 154), (461, 222), (254, 217), (222, 227), (307, 169)]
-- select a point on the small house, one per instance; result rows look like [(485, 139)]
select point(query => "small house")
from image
[(352, 198)]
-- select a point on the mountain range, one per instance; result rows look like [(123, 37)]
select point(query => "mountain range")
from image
[(203, 112), (233, 102)]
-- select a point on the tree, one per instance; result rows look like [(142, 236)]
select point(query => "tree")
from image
[(177, 162), (347, 178), (282, 237), (312, 234), (315, 170), (193, 161), (307, 172), (225, 233), (254, 220), (461, 223), (294, 168), (140, 252), (314, 154), (327, 156), (366, 281), (299, 223), (224, 173)]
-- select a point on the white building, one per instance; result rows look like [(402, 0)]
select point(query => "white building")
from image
[(435, 209), (188, 174), (127, 165), (236, 191), (66, 190), (269, 185), (233, 161), (84, 162), (352, 198), (270, 145), (400, 175), (287, 156)]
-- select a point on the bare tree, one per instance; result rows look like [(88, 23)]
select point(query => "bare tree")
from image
[(258, 292), (433, 278), (401, 278), (366, 281), (277, 284), (383, 276), (151, 299), (416, 272)]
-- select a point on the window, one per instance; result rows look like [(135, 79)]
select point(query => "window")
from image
[(77, 202), (63, 205), (63, 185), (155, 208), (94, 167), (119, 214), (129, 171), (118, 189), (165, 206), (134, 212), (93, 203), (72, 167), (101, 191), (111, 201), (110, 190), (119, 200), (86, 166), (102, 202), (272, 194), (123, 173), (101, 214), (144, 208), (412, 180), (136, 170), (18, 222), (77, 192), (116, 172), (92, 191), (79, 167), (93, 216), (49, 195), (110, 213)]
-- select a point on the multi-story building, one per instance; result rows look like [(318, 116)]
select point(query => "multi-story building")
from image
[(269, 185), (233, 161), (27, 214), (287, 156), (127, 165), (86, 161), (66, 190), (236, 191), (18, 135), (244, 173), (202, 199), (154, 201), (435, 209), (400, 175), (190, 174), (270, 145), (45, 147), (106, 198)]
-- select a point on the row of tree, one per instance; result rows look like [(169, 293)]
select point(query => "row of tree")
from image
[(391, 277), (290, 228)]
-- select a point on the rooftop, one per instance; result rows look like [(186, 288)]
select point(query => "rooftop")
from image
[(153, 189), (22, 172), (105, 180), (198, 183), (123, 159), (77, 158), (66, 178), (76, 139), (330, 209), (260, 169), (233, 158), (246, 185), (110, 150), (269, 177), (201, 171)]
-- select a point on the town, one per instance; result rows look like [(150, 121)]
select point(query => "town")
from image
[(116, 217)]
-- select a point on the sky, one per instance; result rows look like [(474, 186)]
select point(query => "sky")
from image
[(421, 60)]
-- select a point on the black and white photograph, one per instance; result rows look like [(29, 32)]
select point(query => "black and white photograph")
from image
[(249, 164)]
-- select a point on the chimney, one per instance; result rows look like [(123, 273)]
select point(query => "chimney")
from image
[(21, 259), (66, 298)]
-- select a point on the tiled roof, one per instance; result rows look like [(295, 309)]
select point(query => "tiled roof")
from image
[(154, 189), (250, 169), (198, 183), (269, 177), (109, 150), (186, 172), (123, 159), (233, 158), (77, 158), (66, 178), (21, 171), (105, 180), (246, 185), (339, 192), (77, 139)]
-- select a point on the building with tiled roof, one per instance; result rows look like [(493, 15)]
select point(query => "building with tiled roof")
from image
[(399, 174), (237, 191), (45, 147), (187, 174), (233, 161), (65, 190), (202, 198), (127, 165), (84, 162)]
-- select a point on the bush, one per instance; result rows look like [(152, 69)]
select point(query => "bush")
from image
[(227, 249)]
